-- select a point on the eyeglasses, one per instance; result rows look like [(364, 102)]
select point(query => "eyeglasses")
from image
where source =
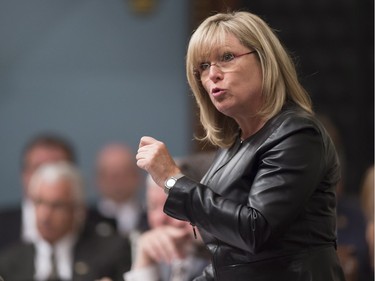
[(225, 63), (59, 206)]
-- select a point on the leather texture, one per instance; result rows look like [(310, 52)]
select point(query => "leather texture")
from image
[(10, 226), (266, 209)]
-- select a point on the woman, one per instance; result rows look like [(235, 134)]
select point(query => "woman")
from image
[(266, 207)]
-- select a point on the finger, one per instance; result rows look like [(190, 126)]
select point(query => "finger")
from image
[(166, 244), (180, 237), (153, 251), (161, 249), (141, 163), (168, 248), (141, 155), (146, 140), (175, 241)]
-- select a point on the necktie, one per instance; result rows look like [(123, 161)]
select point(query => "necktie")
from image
[(53, 274)]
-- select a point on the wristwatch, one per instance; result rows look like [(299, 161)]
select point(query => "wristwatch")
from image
[(170, 182)]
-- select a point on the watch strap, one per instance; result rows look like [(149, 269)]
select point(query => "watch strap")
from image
[(175, 178)]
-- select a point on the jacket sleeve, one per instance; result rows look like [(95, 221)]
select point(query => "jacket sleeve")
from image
[(288, 171)]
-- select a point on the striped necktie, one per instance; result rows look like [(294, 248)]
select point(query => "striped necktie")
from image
[(54, 275)]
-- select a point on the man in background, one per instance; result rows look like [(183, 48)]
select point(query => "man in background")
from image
[(119, 208), (19, 222), (169, 251), (64, 249)]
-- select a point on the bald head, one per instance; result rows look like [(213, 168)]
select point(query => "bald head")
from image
[(117, 174)]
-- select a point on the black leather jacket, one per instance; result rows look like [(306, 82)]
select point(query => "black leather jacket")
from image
[(266, 209)]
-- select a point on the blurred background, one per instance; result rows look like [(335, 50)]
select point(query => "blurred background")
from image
[(99, 71)]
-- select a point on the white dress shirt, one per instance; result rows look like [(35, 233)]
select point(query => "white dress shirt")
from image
[(178, 270), (150, 273), (29, 232), (127, 214), (64, 251)]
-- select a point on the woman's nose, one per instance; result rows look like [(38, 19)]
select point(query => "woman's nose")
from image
[(215, 73)]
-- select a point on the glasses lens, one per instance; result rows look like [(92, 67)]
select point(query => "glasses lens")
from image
[(224, 63)]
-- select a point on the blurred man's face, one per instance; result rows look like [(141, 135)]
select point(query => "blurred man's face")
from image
[(38, 156), (55, 209), (155, 203), (117, 174)]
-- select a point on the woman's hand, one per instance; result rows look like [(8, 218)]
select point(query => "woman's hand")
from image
[(153, 156)]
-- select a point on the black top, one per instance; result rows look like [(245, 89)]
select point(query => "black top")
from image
[(266, 207)]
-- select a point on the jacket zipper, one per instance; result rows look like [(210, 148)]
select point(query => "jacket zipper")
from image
[(194, 232)]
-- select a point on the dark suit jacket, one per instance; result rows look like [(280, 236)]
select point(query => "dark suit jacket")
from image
[(94, 257), (107, 226), (10, 227), (11, 221)]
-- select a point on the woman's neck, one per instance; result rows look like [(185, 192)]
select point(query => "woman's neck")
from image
[(250, 126)]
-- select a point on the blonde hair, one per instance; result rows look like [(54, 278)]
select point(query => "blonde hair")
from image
[(280, 82)]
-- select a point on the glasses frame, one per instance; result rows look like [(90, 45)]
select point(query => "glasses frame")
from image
[(197, 73)]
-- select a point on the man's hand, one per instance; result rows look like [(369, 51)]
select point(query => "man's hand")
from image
[(162, 244)]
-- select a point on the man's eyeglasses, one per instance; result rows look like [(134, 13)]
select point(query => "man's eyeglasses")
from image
[(225, 63), (60, 206)]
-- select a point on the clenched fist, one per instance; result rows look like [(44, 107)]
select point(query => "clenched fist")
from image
[(153, 156)]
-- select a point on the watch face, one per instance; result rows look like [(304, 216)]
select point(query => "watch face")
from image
[(171, 182)]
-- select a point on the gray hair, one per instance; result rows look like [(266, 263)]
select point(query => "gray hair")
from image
[(54, 172)]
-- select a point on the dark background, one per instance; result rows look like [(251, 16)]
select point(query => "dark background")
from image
[(332, 42)]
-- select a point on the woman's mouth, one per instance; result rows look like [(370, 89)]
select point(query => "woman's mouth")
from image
[(217, 92)]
